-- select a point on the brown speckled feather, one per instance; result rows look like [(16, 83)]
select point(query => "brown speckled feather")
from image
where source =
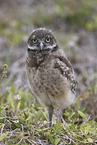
[(66, 69)]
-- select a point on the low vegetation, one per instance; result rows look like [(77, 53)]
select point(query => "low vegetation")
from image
[(24, 121)]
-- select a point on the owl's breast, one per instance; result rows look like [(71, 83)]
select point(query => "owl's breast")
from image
[(48, 84)]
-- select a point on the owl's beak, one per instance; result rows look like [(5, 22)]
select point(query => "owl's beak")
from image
[(41, 45)]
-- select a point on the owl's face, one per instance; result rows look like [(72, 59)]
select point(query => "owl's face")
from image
[(42, 40)]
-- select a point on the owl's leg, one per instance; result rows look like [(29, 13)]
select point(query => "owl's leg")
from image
[(50, 114), (59, 114)]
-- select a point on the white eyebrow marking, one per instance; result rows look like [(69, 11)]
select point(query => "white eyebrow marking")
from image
[(31, 47), (50, 47)]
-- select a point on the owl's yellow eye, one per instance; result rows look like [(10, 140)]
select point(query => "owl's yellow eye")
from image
[(34, 40), (48, 40)]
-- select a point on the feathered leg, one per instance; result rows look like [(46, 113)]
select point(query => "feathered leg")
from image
[(59, 114), (50, 114)]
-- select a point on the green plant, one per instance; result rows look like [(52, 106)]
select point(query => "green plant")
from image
[(24, 121), (3, 72)]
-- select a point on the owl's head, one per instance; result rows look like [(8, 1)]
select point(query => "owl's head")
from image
[(42, 40)]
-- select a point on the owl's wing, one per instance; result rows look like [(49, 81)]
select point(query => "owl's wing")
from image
[(65, 67)]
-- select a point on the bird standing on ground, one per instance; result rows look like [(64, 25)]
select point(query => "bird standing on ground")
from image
[(50, 74)]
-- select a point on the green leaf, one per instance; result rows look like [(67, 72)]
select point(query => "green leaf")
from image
[(90, 140), (12, 104), (57, 128), (77, 102), (57, 141), (3, 136), (22, 118), (82, 114), (12, 89), (18, 106), (1, 126), (51, 139), (50, 136)]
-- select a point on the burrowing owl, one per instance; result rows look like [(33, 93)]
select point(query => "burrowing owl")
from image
[(50, 74)]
